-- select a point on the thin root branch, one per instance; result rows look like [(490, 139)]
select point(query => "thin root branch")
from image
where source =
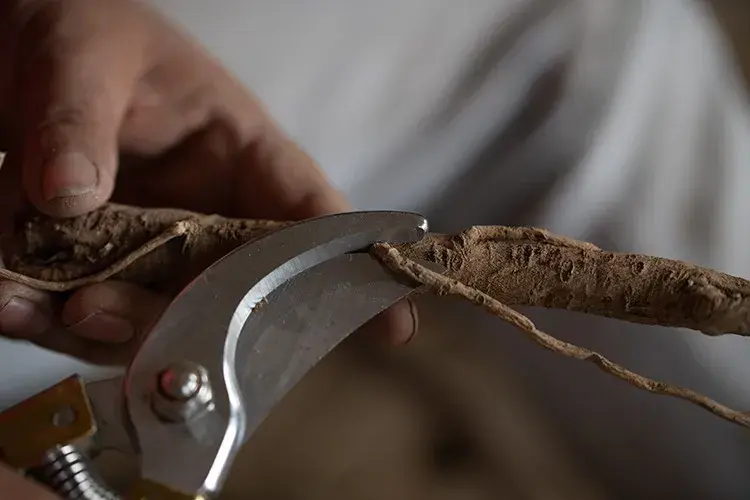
[(444, 285)]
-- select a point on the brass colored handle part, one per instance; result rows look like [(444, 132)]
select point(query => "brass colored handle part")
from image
[(149, 490), (54, 417)]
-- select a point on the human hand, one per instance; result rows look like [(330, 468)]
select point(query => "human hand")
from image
[(13, 485), (104, 99)]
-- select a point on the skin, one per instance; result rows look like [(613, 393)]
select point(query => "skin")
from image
[(104, 100), (12, 486)]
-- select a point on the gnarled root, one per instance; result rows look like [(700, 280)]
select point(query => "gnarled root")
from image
[(445, 285), (527, 266), (160, 249), (493, 267)]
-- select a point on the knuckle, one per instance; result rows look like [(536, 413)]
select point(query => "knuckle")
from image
[(54, 132), (63, 115), (10, 289), (65, 121)]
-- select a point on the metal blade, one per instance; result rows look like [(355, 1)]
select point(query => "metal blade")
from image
[(305, 319), (110, 449), (218, 323)]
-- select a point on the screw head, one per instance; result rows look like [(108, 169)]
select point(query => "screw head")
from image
[(64, 417), (182, 392), (179, 381)]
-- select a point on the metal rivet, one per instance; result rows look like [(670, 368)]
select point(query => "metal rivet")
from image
[(179, 382), (182, 392), (64, 417)]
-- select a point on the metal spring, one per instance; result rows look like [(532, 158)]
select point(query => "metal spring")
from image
[(68, 473)]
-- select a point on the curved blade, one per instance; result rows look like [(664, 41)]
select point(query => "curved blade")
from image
[(304, 320), (213, 323)]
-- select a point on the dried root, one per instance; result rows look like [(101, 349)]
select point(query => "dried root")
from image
[(493, 267), (444, 285), (160, 249), (527, 266)]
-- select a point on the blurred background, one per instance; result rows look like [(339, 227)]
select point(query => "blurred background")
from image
[(470, 410)]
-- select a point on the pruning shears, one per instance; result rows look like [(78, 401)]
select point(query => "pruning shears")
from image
[(225, 352)]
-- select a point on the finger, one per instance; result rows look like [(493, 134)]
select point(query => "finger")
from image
[(276, 179), (103, 324), (13, 485), (395, 326), (12, 197), (210, 171), (113, 312), (80, 67), (25, 313), (196, 175)]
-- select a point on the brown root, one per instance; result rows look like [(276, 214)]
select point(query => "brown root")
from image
[(444, 285), (493, 267), (532, 267), (160, 249)]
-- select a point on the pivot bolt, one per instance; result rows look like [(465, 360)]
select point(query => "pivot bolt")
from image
[(179, 382), (182, 392)]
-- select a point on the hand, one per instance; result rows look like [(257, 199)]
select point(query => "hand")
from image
[(103, 99), (13, 485)]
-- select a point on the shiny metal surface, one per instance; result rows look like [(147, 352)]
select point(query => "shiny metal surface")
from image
[(110, 450), (183, 392), (257, 320), (68, 473), (107, 405), (285, 338), (180, 382)]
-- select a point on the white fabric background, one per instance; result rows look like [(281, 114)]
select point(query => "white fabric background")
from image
[(621, 121)]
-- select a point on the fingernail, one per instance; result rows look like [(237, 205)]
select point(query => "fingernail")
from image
[(69, 174), (414, 318), (22, 318), (104, 327)]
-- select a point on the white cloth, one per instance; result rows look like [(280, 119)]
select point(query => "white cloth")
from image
[(621, 121)]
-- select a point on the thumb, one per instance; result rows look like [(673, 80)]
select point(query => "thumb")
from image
[(74, 95)]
